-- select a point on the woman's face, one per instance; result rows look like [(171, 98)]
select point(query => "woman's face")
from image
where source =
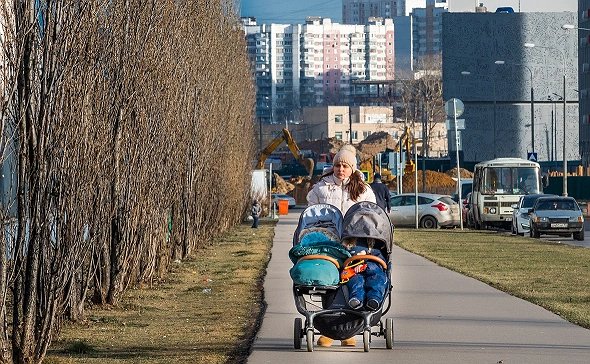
[(342, 170)]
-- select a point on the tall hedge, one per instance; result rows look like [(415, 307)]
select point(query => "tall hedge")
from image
[(126, 143)]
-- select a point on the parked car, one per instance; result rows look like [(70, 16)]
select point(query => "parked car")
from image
[(556, 215), (276, 197), (520, 213), (434, 210), (327, 167)]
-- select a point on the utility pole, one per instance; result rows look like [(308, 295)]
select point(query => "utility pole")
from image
[(350, 124), (423, 153)]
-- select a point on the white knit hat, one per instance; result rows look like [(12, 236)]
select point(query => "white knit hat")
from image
[(346, 154)]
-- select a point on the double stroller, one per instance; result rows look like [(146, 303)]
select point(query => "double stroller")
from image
[(320, 263)]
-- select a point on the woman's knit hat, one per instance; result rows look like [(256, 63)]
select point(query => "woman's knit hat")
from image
[(346, 154)]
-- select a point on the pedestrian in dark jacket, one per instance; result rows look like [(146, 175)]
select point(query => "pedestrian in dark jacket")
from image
[(255, 211), (381, 193)]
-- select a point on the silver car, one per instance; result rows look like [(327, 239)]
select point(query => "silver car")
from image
[(520, 213), (557, 215), (434, 211)]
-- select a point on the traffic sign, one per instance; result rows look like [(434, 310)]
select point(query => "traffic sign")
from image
[(451, 124), (532, 156), (454, 109)]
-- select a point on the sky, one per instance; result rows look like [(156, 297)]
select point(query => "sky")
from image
[(295, 11)]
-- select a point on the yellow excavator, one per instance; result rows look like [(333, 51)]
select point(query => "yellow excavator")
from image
[(286, 137), (407, 138), (405, 142)]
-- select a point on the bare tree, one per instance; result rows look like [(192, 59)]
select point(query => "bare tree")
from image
[(126, 133)]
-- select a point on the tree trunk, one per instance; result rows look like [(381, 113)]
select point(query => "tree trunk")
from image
[(116, 280)]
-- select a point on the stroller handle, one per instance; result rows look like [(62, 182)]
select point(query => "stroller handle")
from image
[(366, 257), (324, 257)]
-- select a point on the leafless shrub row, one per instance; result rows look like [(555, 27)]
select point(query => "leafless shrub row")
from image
[(126, 143)]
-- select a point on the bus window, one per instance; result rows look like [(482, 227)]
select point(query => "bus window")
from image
[(528, 180), (499, 180)]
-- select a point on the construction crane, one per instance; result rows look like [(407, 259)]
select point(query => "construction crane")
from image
[(286, 137)]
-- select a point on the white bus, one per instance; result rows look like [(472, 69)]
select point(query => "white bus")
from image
[(497, 185)]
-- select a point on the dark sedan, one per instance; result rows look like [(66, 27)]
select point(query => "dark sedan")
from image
[(557, 216)]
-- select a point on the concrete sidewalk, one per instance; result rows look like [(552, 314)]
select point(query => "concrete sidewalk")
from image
[(439, 316)]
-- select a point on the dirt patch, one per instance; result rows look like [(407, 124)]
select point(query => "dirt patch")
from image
[(436, 182)]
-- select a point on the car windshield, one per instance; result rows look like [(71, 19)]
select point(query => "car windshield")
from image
[(528, 202), (510, 180), (556, 205), (447, 200)]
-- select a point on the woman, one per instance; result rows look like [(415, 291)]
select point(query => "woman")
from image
[(343, 186)]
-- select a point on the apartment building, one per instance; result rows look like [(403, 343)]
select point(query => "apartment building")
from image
[(360, 11), (314, 63), (427, 32)]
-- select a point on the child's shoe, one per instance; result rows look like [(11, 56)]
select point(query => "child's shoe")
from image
[(354, 303), (373, 304), (325, 341), (351, 341)]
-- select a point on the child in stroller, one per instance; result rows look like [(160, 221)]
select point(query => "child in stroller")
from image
[(370, 279), (318, 260)]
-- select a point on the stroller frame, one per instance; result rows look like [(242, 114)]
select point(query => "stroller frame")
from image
[(311, 300)]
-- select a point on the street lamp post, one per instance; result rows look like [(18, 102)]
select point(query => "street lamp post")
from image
[(532, 45), (260, 132), (532, 100), (552, 154)]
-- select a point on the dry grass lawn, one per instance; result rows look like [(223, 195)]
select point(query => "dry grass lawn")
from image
[(551, 275), (205, 312)]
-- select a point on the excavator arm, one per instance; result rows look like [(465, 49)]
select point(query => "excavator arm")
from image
[(286, 137), (406, 139)]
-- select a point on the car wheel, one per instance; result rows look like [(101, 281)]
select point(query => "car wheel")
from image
[(429, 222), (579, 236)]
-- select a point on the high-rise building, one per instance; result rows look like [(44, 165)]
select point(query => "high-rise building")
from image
[(360, 11), (315, 63), (427, 32), (403, 47), (487, 65), (584, 80)]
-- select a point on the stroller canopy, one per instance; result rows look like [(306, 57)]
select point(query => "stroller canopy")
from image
[(321, 215), (367, 220)]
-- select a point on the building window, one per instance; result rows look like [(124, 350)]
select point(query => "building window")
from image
[(338, 135), (338, 119)]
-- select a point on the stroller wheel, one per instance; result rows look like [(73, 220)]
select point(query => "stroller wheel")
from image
[(309, 337), (367, 340), (389, 333), (297, 333)]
